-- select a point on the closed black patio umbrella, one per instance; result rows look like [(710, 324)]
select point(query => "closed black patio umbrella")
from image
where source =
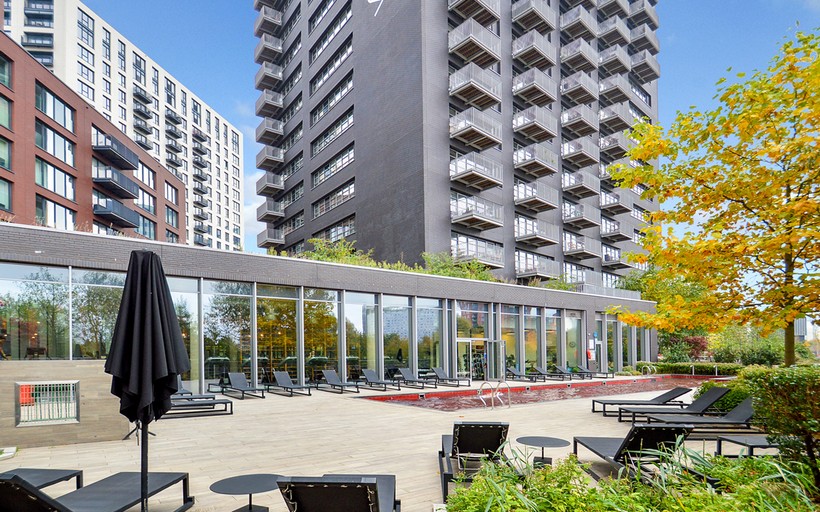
[(147, 352)]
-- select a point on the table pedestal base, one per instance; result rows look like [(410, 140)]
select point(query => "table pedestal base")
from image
[(541, 461), (251, 508)]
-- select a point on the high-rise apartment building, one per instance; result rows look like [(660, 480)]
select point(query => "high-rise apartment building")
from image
[(148, 104), (480, 127)]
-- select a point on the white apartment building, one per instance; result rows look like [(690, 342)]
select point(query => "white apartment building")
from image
[(147, 103)]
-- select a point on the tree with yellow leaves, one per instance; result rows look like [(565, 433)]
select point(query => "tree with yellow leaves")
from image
[(741, 183)]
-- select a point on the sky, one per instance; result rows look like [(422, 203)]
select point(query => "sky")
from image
[(208, 46)]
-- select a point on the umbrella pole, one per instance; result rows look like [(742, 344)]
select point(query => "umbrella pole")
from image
[(144, 475)]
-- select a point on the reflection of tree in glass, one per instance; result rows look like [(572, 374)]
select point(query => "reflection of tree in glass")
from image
[(321, 337), (428, 349), (396, 350), (276, 333), (227, 332), (185, 318), (43, 305), (94, 311)]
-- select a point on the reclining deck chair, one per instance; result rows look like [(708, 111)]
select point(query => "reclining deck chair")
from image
[(440, 377), (470, 444), (372, 380), (340, 493), (116, 493), (41, 478), (408, 379), (696, 408), (550, 375), (237, 383), (563, 370), (519, 375), (334, 382), (630, 452), (668, 399), (738, 418), (598, 374), (284, 382)]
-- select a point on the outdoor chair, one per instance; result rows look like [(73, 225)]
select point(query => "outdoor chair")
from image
[(372, 380), (116, 493), (41, 478), (181, 388), (407, 378), (441, 378), (282, 381), (563, 370), (668, 399), (550, 375), (334, 382), (208, 405), (638, 448), (738, 418), (237, 383), (340, 493), (517, 374), (597, 374), (463, 452), (696, 408), (184, 394)]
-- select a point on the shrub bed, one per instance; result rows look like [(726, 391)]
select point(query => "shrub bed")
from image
[(700, 368)]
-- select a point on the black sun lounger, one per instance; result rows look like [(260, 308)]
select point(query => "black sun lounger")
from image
[(408, 379), (470, 444), (187, 407), (371, 379), (117, 493), (738, 418), (440, 377), (333, 381), (283, 382), (340, 493), (237, 383), (696, 408), (667, 398), (41, 478), (519, 375), (563, 370), (550, 375)]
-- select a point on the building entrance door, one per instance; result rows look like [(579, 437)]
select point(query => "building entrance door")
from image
[(495, 359), (480, 359)]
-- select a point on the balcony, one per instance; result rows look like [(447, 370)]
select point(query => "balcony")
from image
[(604, 169), (581, 184), (39, 8), (142, 111), (536, 197), (476, 170), (579, 120), (268, 103), (534, 50), (38, 40), (268, 76), (199, 148), (616, 117), (115, 183), (201, 188), (172, 145), (201, 163), (199, 135), (270, 210), (476, 86), (143, 142), (201, 227), (172, 131), (579, 22), (580, 152), (201, 201), (483, 11), (173, 160), (476, 212), (534, 15), (200, 214), (142, 95), (580, 216), (580, 88), (614, 146), (269, 130), (613, 8), (615, 261), (579, 55), (267, 49), (474, 43), (536, 123), (267, 21), (269, 158), (142, 126), (269, 184), (270, 237), (115, 152), (611, 231), (614, 59), (535, 87), (642, 12), (645, 66), (201, 241), (586, 4), (614, 204), (466, 249), (117, 213), (476, 128), (614, 31), (644, 38), (581, 247), (172, 116), (615, 88), (537, 160), (273, 4), (200, 175), (536, 233), (537, 267)]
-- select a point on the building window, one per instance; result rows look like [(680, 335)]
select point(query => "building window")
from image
[(291, 81), (334, 199), (341, 229), (106, 44), (335, 96), (170, 93), (147, 202), (334, 165), (139, 68), (293, 195), (293, 223), (85, 54), (55, 144), (291, 53), (292, 138), (292, 167), (292, 109), (171, 217), (331, 32), (5, 195), (183, 102), (319, 14), (85, 28), (338, 58), (85, 90), (171, 237), (147, 228), (53, 179), (85, 72), (171, 194), (5, 153), (146, 175), (5, 112), (332, 133), (121, 55), (196, 112), (52, 106), (107, 71), (5, 71), (53, 215), (234, 142)]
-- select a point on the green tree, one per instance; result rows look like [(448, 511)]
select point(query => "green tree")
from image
[(743, 179)]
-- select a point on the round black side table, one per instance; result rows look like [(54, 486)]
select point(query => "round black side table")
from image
[(542, 442), (247, 484)]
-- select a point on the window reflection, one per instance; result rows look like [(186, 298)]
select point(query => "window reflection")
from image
[(360, 333), (429, 328), (321, 332), (396, 315), (226, 329), (276, 332)]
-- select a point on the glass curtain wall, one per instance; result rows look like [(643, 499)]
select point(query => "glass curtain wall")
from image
[(226, 310), (532, 337), (95, 303), (360, 332), (509, 335), (640, 353), (276, 338), (396, 317), (574, 338), (185, 294), (553, 335), (611, 346), (626, 341), (321, 333), (429, 334), (472, 329)]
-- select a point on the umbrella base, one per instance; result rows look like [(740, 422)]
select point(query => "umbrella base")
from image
[(133, 430), (252, 508)]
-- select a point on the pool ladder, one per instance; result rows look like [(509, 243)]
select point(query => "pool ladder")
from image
[(494, 393)]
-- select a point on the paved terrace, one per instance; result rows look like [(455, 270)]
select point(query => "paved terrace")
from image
[(310, 436)]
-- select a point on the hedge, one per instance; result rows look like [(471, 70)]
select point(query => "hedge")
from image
[(700, 368)]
